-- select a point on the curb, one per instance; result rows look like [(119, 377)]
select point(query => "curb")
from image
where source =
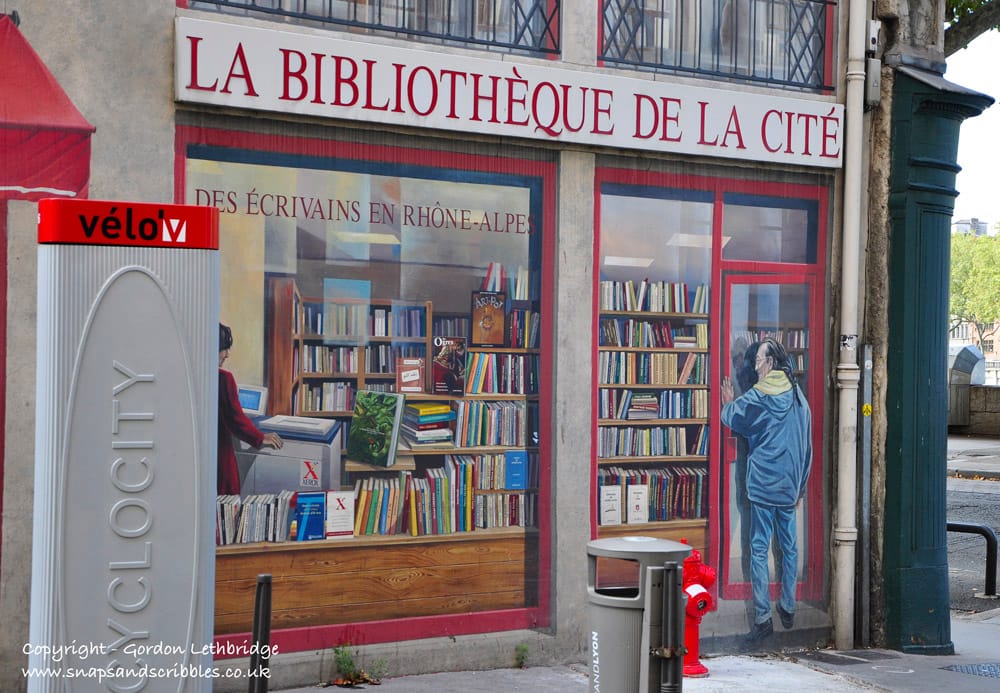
[(975, 474)]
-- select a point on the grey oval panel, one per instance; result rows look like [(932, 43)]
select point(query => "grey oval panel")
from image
[(129, 488)]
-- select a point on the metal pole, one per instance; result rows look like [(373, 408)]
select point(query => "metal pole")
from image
[(260, 653), (672, 625), (862, 587)]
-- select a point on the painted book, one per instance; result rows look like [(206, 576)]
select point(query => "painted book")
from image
[(410, 374), (310, 516), (339, 513), (489, 326), (374, 432), (611, 505), (516, 469), (448, 366)]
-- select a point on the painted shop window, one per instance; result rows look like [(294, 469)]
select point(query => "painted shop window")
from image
[(398, 297), (653, 357), (762, 229), (709, 310)]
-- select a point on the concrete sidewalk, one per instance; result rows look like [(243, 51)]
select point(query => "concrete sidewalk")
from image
[(974, 667), (974, 457)]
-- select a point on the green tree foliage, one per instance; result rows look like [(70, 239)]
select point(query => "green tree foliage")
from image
[(975, 283), (966, 20)]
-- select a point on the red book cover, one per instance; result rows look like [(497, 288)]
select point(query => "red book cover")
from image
[(448, 366)]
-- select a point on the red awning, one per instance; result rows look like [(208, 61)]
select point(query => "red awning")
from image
[(44, 140)]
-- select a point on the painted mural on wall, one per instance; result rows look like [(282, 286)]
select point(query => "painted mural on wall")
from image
[(772, 418), (345, 269), (665, 295)]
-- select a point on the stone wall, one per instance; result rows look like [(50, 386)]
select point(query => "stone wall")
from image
[(984, 412)]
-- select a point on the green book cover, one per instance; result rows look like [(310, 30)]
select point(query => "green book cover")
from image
[(374, 431)]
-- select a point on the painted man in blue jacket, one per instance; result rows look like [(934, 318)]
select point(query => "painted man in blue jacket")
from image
[(774, 418)]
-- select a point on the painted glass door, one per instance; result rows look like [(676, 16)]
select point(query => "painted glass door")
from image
[(780, 312)]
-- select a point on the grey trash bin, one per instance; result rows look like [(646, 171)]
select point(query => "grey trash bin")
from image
[(965, 364), (636, 611)]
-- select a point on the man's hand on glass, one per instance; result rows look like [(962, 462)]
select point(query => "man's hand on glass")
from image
[(727, 390)]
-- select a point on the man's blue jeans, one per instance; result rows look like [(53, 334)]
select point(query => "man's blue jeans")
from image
[(764, 521)]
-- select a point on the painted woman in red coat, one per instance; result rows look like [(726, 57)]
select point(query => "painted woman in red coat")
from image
[(233, 422)]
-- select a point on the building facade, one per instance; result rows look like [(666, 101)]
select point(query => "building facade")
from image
[(607, 206)]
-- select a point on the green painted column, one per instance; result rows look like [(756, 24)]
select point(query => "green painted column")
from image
[(927, 112)]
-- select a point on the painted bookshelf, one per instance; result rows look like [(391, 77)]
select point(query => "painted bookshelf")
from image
[(323, 350), (653, 410), (794, 339), (436, 506)]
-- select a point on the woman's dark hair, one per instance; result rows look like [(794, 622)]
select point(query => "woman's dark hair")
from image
[(225, 337)]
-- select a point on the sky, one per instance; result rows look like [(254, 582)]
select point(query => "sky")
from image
[(978, 67)]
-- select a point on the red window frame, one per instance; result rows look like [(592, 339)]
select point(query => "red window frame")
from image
[(362, 633), (813, 273)]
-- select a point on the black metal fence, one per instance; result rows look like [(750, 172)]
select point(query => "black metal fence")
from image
[(528, 25), (769, 41), (777, 42)]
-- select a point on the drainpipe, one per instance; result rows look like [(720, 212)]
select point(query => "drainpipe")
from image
[(845, 531)]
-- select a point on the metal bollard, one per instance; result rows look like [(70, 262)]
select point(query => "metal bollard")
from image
[(260, 654), (991, 550)]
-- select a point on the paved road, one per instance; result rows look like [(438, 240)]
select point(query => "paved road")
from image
[(975, 502)]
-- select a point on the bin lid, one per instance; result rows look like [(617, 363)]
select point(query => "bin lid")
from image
[(968, 359), (639, 547)]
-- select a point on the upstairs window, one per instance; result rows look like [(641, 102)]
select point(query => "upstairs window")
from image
[(531, 26), (773, 41)]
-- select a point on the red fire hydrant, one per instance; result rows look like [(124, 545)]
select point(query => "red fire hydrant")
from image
[(696, 579)]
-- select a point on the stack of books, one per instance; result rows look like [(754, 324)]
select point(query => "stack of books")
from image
[(428, 425)]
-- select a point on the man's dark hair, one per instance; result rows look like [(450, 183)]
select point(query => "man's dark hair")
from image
[(746, 374), (779, 356), (225, 337)]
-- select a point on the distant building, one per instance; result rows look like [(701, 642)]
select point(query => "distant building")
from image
[(972, 226)]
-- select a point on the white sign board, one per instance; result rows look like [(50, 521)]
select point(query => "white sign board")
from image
[(318, 75)]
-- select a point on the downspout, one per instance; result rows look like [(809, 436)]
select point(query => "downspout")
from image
[(845, 531)]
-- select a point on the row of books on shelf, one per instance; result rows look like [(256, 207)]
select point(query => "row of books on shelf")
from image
[(315, 358), (635, 496), (489, 372), (343, 320), (384, 358), (653, 441), (285, 516), (487, 423), (442, 501), (325, 396), (384, 422), (651, 368), (653, 296), (788, 338), (495, 510), (452, 326), (652, 334), (419, 506), (519, 285), (523, 325), (644, 404), (798, 362)]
